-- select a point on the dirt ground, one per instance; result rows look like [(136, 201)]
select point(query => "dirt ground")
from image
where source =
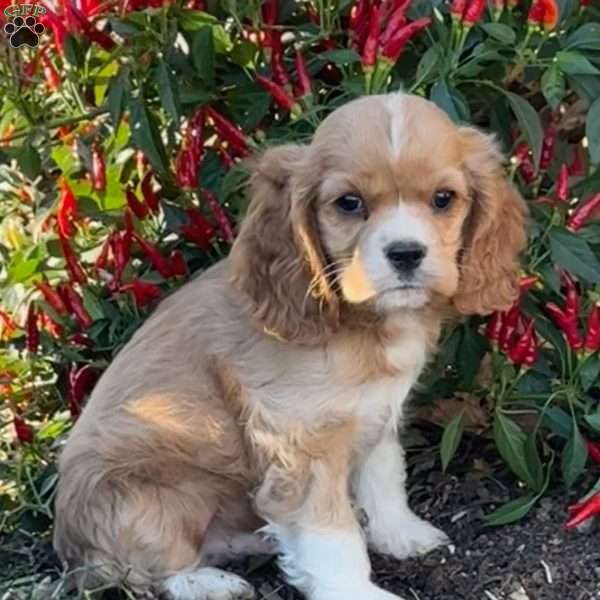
[(535, 559)]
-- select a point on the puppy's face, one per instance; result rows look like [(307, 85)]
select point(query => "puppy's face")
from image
[(392, 200), (391, 206)]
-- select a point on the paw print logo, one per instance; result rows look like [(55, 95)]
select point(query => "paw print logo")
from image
[(24, 32)]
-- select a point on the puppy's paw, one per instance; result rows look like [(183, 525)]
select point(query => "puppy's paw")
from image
[(208, 584), (370, 592), (407, 537)]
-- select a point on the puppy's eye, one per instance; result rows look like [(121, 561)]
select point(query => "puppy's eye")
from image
[(350, 204), (442, 199)]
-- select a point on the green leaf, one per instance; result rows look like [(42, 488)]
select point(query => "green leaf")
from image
[(499, 31), (203, 55), (342, 57), (530, 124), (453, 433), (575, 63), (73, 52), (511, 512), (168, 90), (590, 371), (534, 464), (575, 255), (587, 36), (558, 421), (101, 80), (553, 86), (592, 131), (441, 94), (427, 64), (574, 457), (29, 160), (22, 270), (92, 304), (145, 135), (117, 97), (593, 421), (192, 20), (510, 441)]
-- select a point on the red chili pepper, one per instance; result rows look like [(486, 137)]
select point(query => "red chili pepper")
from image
[(121, 249), (304, 87), (81, 383), (89, 30), (226, 158), (159, 262), (527, 282), (76, 273), (359, 23), (53, 80), (582, 213), (220, 216), (143, 292), (584, 511), (494, 327), (536, 13), (577, 166), (396, 21), (548, 144), (567, 325), (562, 184), (52, 297), (67, 211), (58, 27), (81, 314), (280, 75), (593, 450), (592, 338), (551, 14), (457, 9), (526, 167), (9, 325), (532, 353), (392, 50), (150, 196), (474, 12), (509, 325), (228, 132), (369, 53), (23, 431), (269, 16), (98, 169), (519, 350), (33, 333), (178, 264), (279, 94), (52, 327), (186, 169), (200, 236), (139, 209)]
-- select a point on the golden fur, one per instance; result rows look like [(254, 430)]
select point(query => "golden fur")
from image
[(235, 404)]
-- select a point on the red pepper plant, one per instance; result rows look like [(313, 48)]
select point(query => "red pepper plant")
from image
[(122, 139)]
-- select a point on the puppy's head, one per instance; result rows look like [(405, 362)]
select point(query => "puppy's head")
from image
[(390, 207)]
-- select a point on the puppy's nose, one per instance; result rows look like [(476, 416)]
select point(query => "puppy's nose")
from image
[(405, 256)]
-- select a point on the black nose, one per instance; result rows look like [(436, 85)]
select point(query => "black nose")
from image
[(405, 256)]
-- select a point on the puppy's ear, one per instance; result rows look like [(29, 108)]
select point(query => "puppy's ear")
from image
[(494, 232), (277, 259)]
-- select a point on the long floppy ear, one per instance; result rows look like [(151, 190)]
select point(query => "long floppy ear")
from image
[(277, 259), (494, 232)]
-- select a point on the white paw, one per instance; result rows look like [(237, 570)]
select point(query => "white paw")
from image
[(370, 592), (407, 537), (208, 584)]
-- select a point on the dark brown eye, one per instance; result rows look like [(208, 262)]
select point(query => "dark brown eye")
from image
[(442, 199), (350, 204)]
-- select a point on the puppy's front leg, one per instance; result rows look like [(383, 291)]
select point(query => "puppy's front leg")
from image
[(379, 487), (307, 505)]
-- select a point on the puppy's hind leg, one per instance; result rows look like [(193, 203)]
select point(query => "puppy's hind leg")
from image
[(207, 583)]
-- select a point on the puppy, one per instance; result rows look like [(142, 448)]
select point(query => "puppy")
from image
[(265, 396)]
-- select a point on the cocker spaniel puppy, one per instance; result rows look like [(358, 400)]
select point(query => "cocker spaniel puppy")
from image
[(259, 406)]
